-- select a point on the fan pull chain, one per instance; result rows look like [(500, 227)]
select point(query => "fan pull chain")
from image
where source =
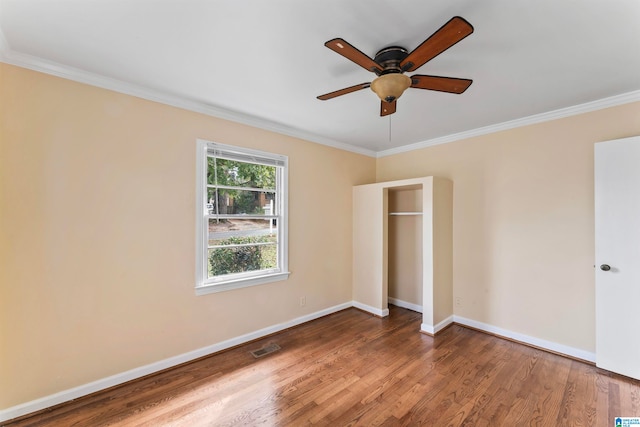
[(389, 128)]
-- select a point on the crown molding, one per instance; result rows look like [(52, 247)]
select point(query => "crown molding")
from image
[(70, 73), (587, 107), (7, 55)]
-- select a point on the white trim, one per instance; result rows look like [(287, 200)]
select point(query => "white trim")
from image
[(201, 222), (9, 56), (375, 311), (56, 69), (92, 387), (587, 107), (432, 330), (428, 329), (245, 282), (537, 342), (205, 285), (83, 390), (404, 304)]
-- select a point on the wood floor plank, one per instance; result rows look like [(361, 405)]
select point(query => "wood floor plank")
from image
[(354, 369)]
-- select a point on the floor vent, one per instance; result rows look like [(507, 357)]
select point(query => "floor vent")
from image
[(271, 348)]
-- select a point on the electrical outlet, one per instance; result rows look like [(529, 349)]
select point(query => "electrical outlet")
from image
[(303, 301), (458, 301)]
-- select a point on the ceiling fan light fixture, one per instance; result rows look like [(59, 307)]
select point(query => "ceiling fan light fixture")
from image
[(390, 87)]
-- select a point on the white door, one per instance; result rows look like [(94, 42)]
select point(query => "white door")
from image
[(617, 217)]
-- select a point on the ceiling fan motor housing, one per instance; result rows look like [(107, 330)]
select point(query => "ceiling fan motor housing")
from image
[(389, 59)]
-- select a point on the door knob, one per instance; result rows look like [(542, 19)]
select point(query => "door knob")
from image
[(605, 267)]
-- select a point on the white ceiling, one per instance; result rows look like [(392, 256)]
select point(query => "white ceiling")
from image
[(264, 62)]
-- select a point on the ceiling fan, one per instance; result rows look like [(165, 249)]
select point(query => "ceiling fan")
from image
[(391, 63)]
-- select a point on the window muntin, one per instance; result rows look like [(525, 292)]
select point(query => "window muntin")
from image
[(238, 201), (242, 228)]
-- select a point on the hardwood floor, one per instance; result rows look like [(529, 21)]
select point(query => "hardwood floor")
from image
[(350, 369)]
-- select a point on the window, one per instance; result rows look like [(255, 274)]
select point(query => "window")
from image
[(241, 220)]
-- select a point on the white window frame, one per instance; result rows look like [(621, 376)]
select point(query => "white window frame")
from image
[(204, 284)]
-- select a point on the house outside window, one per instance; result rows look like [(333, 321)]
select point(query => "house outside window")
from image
[(241, 217)]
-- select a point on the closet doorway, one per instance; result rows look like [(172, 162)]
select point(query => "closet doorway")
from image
[(384, 213), (405, 247)]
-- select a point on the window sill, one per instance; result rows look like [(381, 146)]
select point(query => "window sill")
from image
[(211, 288)]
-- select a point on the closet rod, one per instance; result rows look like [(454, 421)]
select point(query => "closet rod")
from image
[(404, 213)]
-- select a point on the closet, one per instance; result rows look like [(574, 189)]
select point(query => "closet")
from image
[(402, 248), (405, 247)]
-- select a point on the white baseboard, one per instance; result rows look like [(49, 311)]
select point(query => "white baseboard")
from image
[(536, 342), (370, 309), (404, 304), (432, 330), (104, 383), (427, 329), (83, 390)]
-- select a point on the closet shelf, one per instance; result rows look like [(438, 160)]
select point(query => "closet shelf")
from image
[(404, 213)]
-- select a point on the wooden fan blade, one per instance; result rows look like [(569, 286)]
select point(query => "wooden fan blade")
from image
[(344, 91), (449, 34), (387, 108), (351, 53), (442, 84)]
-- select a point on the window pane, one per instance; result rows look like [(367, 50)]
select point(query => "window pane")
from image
[(242, 259), (242, 244), (240, 174), (238, 202), (211, 201), (236, 231)]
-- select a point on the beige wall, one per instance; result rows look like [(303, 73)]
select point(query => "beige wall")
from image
[(97, 234), (442, 211), (370, 255), (523, 221)]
